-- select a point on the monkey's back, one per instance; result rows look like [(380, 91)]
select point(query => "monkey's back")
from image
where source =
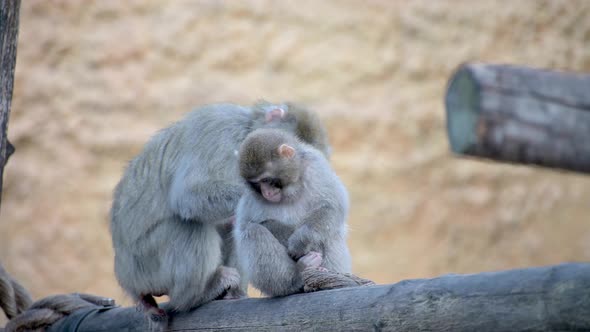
[(143, 222), (141, 197), (330, 192)]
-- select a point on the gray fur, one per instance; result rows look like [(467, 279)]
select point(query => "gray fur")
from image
[(170, 212), (311, 218)]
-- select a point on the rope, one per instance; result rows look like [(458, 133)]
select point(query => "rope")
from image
[(15, 301), (14, 298), (47, 311)]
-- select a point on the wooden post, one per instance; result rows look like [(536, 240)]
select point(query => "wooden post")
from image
[(9, 12), (554, 298), (520, 115)]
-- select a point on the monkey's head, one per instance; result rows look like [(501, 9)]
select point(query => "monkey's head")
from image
[(297, 120), (271, 165)]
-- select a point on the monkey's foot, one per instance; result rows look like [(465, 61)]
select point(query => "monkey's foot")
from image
[(229, 277), (229, 280), (158, 315), (148, 305), (225, 281), (157, 325), (234, 294), (311, 260)]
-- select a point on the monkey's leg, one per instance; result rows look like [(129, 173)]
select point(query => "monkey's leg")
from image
[(279, 230), (225, 280), (337, 256), (221, 282), (230, 259), (271, 269), (320, 224), (198, 276)]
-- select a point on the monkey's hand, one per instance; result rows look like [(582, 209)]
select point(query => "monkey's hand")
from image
[(311, 260), (210, 201), (301, 242)]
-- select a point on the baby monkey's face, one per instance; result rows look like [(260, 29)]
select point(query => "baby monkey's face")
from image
[(269, 187), (270, 165)]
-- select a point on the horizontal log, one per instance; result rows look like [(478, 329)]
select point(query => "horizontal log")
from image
[(520, 115), (554, 298)]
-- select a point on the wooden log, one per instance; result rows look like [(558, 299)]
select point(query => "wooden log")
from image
[(554, 298), (9, 12), (520, 115)]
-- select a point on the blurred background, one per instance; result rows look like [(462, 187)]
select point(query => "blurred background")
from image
[(95, 79)]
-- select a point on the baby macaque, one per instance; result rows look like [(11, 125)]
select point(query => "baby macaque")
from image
[(173, 210), (294, 215)]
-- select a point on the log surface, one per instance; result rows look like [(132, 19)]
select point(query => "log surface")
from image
[(520, 115), (554, 298), (9, 12)]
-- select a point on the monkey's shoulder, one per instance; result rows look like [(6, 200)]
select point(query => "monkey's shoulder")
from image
[(321, 181)]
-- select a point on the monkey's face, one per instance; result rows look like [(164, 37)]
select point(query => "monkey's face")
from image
[(269, 188), (272, 180), (269, 166)]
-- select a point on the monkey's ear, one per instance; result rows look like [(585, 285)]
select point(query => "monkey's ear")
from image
[(274, 114), (286, 151)]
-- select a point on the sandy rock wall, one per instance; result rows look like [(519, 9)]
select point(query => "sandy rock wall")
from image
[(95, 79)]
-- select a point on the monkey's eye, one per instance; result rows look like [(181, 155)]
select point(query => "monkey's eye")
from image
[(255, 186), (274, 182)]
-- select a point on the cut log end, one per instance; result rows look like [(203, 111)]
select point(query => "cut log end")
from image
[(520, 115), (461, 105)]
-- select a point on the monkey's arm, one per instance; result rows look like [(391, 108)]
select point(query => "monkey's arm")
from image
[(269, 266), (322, 223), (206, 201)]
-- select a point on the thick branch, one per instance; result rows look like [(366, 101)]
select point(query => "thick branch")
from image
[(9, 10), (555, 298), (520, 115)]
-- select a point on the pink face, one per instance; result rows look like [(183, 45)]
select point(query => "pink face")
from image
[(270, 193)]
